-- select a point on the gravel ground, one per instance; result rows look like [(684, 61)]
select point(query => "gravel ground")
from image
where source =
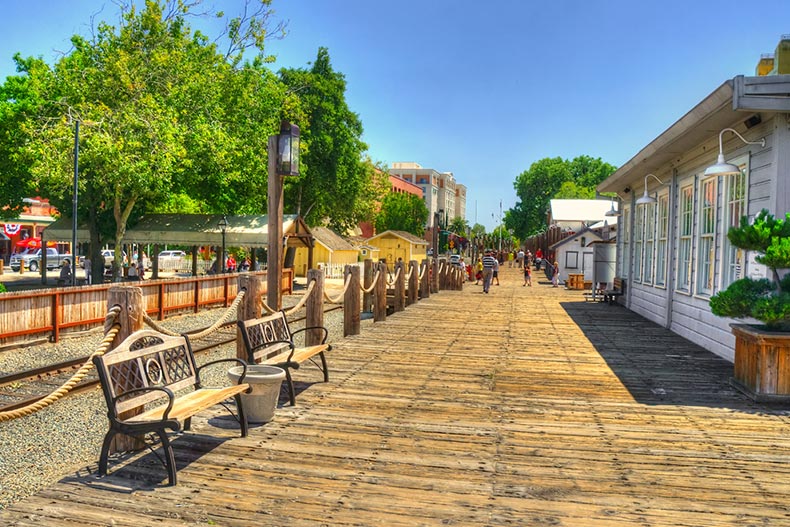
[(40, 449)]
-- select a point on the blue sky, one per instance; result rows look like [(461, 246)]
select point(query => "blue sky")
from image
[(484, 89)]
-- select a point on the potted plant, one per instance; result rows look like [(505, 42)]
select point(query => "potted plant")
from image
[(762, 351)]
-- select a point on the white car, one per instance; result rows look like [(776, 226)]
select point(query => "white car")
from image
[(171, 255), (171, 260)]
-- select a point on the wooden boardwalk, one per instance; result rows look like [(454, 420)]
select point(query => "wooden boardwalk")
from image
[(522, 407)]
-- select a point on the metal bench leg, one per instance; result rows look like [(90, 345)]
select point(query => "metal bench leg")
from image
[(291, 390), (170, 460), (105, 451), (324, 367), (242, 415)]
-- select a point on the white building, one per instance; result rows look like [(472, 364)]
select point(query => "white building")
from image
[(674, 253)]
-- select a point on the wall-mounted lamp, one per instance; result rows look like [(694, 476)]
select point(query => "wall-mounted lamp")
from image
[(645, 199), (722, 168), (288, 150), (612, 213)]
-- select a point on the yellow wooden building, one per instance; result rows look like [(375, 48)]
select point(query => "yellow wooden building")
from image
[(399, 244), (330, 249)]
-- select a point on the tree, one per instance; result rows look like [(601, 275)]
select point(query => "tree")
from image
[(459, 226), (551, 178), (167, 118), (402, 212), (336, 182)]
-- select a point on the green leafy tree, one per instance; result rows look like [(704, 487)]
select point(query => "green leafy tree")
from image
[(402, 212), (335, 181), (767, 300), (552, 178), (459, 226), (168, 120)]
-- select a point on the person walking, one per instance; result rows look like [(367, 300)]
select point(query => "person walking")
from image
[(86, 264), (495, 274), (478, 270), (489, 262), (65, 273), (555, 275)]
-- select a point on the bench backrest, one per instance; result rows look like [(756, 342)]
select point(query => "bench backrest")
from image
[(144, 359), (619, 285), (265, 337)]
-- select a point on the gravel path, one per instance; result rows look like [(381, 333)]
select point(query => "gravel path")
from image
[(40, 449)]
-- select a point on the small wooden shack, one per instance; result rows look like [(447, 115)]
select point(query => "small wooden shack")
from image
[(399, 244), (329, 249)]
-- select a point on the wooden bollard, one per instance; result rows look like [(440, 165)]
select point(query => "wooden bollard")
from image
[(249, 308), (425, 281), (351, 302), (414, 280), (400, 287), (314, 308), (367, 279), (130, 300), (380, 297), (434, 275)]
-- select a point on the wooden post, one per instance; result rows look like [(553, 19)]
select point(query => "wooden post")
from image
[(274, 270), (400, 287), (130, 300), (411, 296), (425, 283), (367, 298), (380, 307), (249, 308), (314, 308), (434, 275), (351, 302)]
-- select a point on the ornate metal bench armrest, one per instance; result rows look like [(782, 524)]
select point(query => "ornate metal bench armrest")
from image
[(236, 360), (170, 397), (323, 340)]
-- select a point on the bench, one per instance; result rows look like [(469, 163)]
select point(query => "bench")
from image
[(269, 340), (147, 369), (618, 289)]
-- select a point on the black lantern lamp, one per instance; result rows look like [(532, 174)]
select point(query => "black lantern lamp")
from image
[(288, 150)]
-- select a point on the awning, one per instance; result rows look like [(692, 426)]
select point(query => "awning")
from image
[(195, 229)]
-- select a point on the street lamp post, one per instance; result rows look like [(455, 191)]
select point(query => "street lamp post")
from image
[(283, 152), (223, 226), (74, 202)]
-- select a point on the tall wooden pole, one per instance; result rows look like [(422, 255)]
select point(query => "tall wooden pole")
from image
[(351, 302), (249, 308), (274, 270)]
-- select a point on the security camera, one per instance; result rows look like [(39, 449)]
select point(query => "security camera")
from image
[(627, 190)]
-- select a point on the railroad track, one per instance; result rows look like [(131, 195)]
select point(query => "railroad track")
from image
[(20, 389)]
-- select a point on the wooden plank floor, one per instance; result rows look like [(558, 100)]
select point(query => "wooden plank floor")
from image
[(525, 406)]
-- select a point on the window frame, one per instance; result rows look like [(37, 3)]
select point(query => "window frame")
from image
[(733, 260), (685, 233), (662, 240), (706, 237)]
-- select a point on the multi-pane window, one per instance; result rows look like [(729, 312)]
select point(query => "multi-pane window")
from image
[(649, 240), (639, 225), (707, 237), (685, 230), (662, 225), (626, 256), (735, 198)]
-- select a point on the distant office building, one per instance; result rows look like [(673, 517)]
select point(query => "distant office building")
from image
[(441, 193)]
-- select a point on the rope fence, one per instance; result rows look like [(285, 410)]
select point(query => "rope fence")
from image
[(226, 316), (109, 321)]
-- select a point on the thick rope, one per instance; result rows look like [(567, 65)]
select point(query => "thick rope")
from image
[(422, 271), (109, 320), (373, 283), (394, 278), (304, 299), (153, 324), (408, 275), (339, 298)]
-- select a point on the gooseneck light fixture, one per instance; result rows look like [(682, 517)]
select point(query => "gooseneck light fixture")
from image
[(645, 199), (612, 213), (722, 168)]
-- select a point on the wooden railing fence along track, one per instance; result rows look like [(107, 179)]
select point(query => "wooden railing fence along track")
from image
[(47, 313)]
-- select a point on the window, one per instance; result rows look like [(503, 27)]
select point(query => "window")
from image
[(650, 235), (685, 227), (639, 225), (735, 198), (626, 256), (707, 237), (572, 259), (662, 225)]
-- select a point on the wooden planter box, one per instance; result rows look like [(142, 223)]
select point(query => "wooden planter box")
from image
[(762, 363)]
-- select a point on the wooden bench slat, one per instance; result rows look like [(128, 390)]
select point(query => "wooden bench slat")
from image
[(300, 354), (190, 404)]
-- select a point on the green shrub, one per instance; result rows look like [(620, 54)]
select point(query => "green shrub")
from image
[(767, 300), (2, 288)]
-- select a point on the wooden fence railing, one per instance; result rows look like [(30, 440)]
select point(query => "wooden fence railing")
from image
[(50, 312)]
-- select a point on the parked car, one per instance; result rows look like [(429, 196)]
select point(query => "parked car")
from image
[(107, 254), (171, 260), (32, 259), (455, 259)]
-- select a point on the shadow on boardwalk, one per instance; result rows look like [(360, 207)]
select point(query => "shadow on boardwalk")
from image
[(654, 364)]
